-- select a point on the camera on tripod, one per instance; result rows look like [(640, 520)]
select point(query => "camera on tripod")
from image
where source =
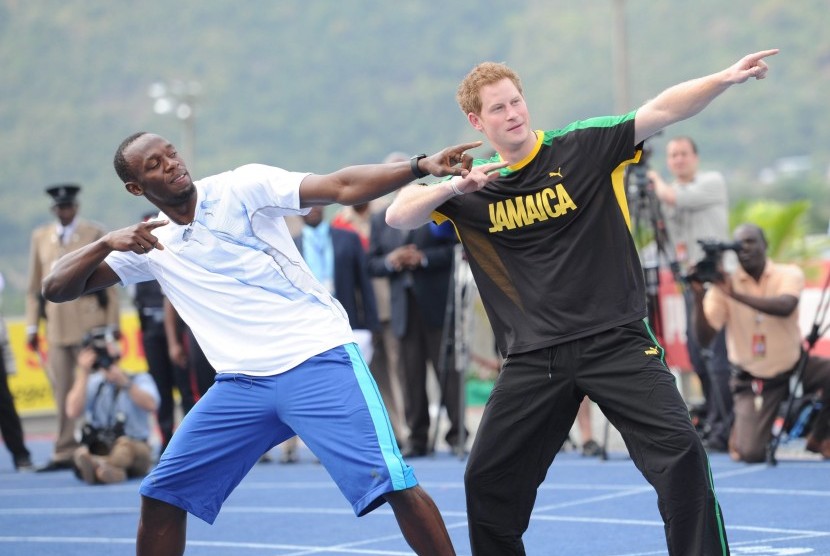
[(102, 341), (706, 270), (637, 172)]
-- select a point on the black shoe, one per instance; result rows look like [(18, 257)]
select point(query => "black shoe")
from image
[(289, 456), (591, 449), (458, 450), (23, 463), (54, 466)]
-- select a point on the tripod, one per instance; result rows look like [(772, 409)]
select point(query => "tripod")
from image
[(785, 421), (455, 341), (647, 220), (648, 223)]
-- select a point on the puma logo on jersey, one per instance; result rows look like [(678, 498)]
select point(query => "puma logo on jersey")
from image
[(550, 202), (556, 174), (652, 351)]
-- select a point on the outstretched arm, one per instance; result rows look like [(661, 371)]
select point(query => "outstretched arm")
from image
[(359, 184), (414, 204), (686, 99), (84, 271)]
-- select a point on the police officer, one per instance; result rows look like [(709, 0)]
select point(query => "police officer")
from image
[(66, 323)]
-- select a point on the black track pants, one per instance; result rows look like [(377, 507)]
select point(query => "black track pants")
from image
[(530, 413)]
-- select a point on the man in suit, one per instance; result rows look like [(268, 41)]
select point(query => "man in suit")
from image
[(66, 323), (418, 264), (338, 261)]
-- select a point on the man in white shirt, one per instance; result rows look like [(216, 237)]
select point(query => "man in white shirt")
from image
[(282, 346)]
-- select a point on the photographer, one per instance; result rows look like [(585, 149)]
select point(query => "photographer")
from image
[(118, 407), (696, 207), (758, 307)]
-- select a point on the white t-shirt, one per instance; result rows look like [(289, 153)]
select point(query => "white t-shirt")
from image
[(236, 277)]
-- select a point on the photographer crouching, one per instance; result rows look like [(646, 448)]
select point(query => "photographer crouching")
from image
[(117, 409), (758, 306)]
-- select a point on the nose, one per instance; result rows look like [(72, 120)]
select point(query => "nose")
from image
[(170, 164)]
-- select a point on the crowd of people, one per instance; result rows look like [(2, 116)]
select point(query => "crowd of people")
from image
[(743, 336), (337, 254), (363, 297)]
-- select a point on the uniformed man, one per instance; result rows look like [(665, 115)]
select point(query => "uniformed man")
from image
[(66, 323)]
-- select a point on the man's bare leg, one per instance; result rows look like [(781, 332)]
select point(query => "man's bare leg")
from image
[(420, 522), (162, 529)]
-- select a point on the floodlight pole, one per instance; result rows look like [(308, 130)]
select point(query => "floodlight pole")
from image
[(179, 98)]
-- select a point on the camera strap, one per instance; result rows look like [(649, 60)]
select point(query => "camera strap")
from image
[(111, 413)]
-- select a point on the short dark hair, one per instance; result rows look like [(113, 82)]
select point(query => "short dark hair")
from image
[(686, 138), (753, 228), (120, 163)]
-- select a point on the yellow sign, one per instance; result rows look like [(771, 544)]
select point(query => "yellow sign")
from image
[(30, 385)]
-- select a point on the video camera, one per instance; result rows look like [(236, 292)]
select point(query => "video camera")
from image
[(100, 339), (637, 178), (706, 270)]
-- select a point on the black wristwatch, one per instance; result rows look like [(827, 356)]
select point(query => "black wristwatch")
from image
[(413, 164)]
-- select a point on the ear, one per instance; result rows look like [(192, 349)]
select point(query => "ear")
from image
[(475, 121), (134, 188)]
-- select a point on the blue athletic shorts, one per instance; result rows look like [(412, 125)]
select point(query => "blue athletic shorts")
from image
[(331, 401)]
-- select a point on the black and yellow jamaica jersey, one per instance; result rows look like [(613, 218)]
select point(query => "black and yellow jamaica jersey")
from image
[(549, 242)]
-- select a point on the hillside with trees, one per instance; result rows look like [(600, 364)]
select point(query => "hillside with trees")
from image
[(315, 85)]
